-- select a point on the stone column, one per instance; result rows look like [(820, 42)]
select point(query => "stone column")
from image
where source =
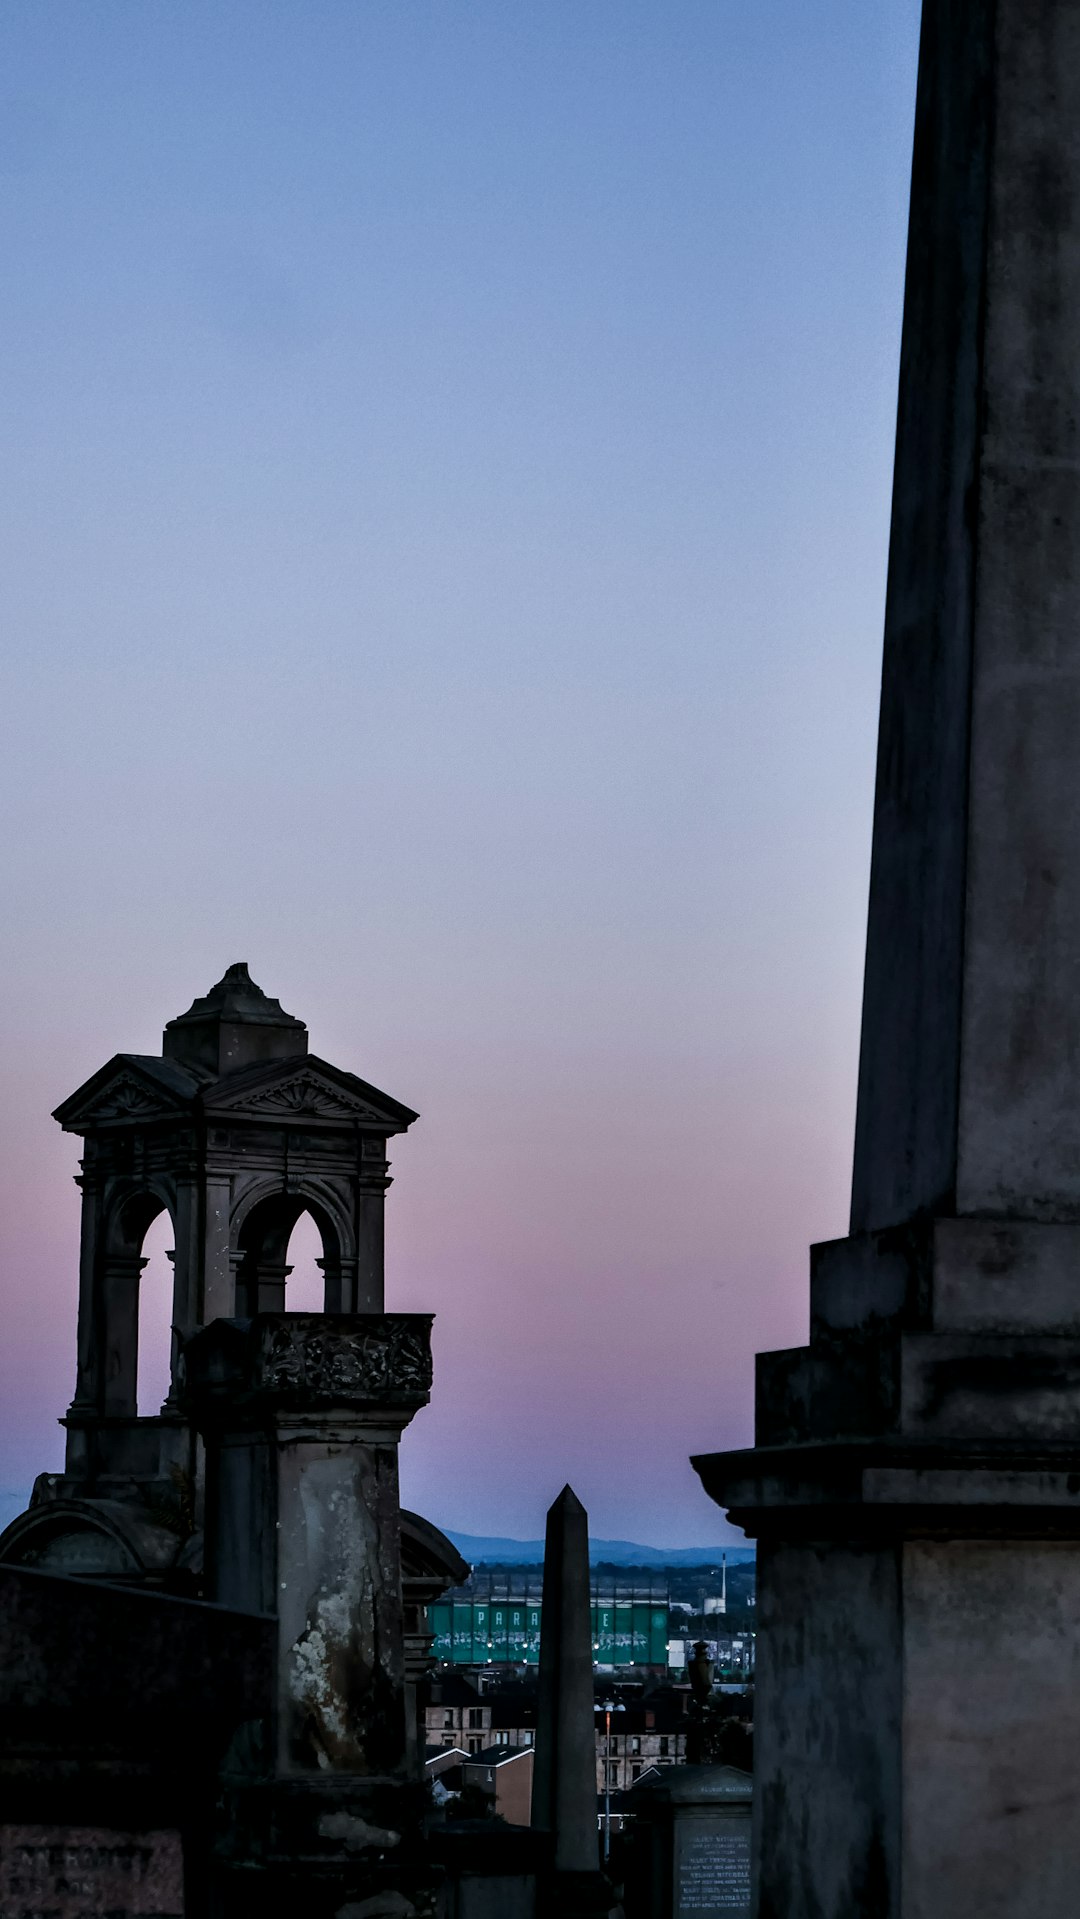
[(301, 1418), (80, 1453), (86, 1377), (119, 1331), (218, 1280), (186, 1262), (915, 1487), (365, 1277)]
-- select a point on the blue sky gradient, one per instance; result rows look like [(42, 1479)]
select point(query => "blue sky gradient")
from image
[(442, 548)]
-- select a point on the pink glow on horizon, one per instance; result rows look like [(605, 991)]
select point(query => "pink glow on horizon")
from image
[(604, 1250)]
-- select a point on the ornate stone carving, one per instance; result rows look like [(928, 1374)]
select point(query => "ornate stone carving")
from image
[(307, 1096), (389, 1358), (125, 1097)]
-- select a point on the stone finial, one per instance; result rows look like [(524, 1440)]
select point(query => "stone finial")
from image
[(234, 1025)]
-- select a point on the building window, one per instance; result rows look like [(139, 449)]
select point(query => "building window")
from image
[(613, 1773), (448, 1743), (448, 1718), (476, 1715), (475, 1745), (635, 1773), (665, 1745), (635, 1745)]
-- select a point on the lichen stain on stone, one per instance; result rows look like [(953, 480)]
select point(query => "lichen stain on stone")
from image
[(311, 1684), (343, 1719), (354, 1833)]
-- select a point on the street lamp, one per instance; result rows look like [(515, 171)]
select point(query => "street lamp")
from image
[(607, 1707)]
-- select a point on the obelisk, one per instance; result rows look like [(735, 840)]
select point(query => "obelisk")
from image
[(564, 1780), (915, 1485)]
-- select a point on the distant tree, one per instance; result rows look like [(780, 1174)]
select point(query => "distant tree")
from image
[(472, 1802), (733, 1744)]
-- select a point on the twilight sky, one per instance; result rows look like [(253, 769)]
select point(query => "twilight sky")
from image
[(447, 449)]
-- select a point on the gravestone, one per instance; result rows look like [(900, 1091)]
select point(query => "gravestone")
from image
[(117, 1707), (74, 1872), (690, 1845)]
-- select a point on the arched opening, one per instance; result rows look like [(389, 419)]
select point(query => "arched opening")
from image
[(153, 1371), (289, 1258), (305, 1284)]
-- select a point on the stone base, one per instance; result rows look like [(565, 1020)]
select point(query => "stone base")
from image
[(917, 1734), (916, 1498)]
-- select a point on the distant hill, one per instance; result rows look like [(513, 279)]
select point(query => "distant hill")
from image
[(611, 1552)]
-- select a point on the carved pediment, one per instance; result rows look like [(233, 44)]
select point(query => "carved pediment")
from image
[(308, 1097), (307, 1089), (126, 1098), (127, 1090)]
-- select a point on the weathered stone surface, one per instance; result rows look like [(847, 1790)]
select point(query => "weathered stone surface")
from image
[(273, 1730), (971, 1024), (922, 1703), (916, 1484), (88, 1664), (117, 1710), (234, 1131), (312, 1360), (564, 1781), (689, 1847), (76, 1871), (302, 1414)]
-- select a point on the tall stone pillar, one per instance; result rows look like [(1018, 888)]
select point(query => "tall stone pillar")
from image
[(564, 1780), (301, 1416), (915, 1486)]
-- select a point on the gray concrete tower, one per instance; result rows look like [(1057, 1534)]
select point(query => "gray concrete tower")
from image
[(915, 1487)]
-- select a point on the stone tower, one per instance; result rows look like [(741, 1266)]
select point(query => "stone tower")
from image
[(915, 1487), (267, 1484), (235, 1130)]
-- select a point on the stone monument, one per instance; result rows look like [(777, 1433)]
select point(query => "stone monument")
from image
[(564, 1780), (234, 1131), (689, 1846), (247, 1539), (301, 1416), (915, 1486)]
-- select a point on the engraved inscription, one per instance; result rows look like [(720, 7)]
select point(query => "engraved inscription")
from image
[(78, 1872), (712, 1871)]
